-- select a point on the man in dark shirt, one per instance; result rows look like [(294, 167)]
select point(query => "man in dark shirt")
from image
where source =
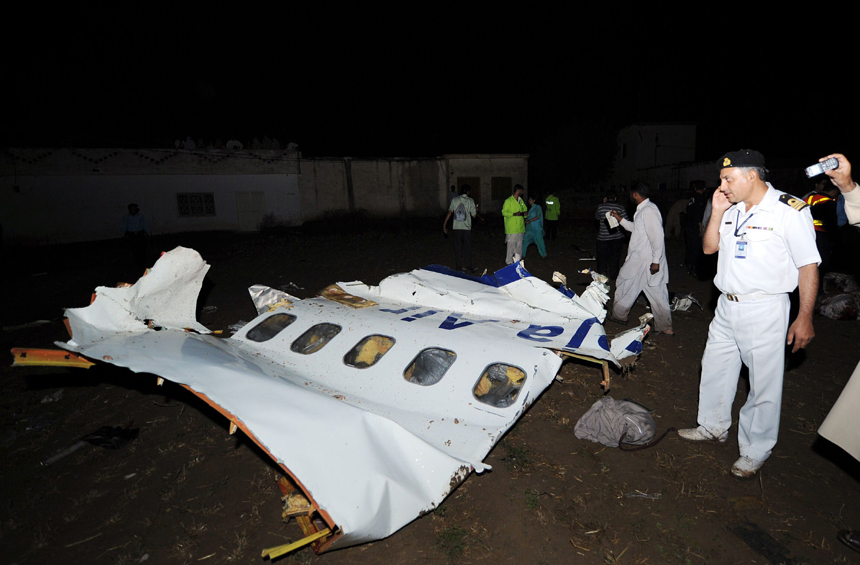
[(823, 207), (610, 241), (693, 227)]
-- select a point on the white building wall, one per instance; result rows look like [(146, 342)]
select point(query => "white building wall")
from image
[(67, 195), (322, 186), (64, 209), (486, 167), (646, 146)]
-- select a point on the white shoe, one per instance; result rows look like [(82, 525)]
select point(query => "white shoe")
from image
[(701, 434), (746, 468)]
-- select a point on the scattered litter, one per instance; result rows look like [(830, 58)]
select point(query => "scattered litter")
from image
[(585, 271), (588, 258), (27, 325), (53, 397), (841, 307), (84, 540), (637, 494), (106, 436), (683, 302), (39, 422), (210, 309), (144, 558), (290, 286), (237, 326), (577, 248), (130, 475)]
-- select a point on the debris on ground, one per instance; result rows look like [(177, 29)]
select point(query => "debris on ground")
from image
[(841, 306), (839, 282), (109, 437), (683, 302), (290, 286), (55, 397), (27, 325), (405, 335)]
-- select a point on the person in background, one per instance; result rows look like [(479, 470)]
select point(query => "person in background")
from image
[(452, 194), (463, 209), (610, 240), (645, 268), (513, 212), (553, 211), (135, 230), (823, 206), (534, 228), (693, 227), (842, 423), (674, 220)]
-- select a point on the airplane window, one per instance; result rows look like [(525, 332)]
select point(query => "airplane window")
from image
[(270, 327), (499, 385), (368, 351), (315, 338), (429, 366)]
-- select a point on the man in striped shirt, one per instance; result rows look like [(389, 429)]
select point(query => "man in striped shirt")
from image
[(610, 241)]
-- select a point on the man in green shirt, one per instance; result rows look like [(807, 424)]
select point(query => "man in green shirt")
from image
[(515, 226), (463, 208), (553, 211)]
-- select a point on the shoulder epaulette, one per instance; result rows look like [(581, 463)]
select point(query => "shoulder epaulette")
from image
[(793, 201)]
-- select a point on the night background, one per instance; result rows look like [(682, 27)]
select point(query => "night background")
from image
[(415, 81), (556, 86)]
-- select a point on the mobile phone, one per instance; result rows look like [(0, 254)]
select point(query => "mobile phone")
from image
[(818, 168)]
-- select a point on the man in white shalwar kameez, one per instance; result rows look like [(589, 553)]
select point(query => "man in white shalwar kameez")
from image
[(645, 268), (842, 425)]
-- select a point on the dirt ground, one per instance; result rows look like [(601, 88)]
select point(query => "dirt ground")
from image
[(186, 491)]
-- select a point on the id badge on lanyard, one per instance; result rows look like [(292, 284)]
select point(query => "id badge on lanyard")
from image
[(742, 246)]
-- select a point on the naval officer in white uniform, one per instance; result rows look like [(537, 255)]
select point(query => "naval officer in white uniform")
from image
[(766, 244)]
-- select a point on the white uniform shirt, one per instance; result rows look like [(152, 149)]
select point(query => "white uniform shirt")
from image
[(780, 239)]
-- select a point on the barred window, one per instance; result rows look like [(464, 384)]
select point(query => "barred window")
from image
[(196, 203)]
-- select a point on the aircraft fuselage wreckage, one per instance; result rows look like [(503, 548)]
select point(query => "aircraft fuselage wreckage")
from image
[(411, 382)]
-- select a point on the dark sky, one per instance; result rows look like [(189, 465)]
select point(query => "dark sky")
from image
[(556, 86)]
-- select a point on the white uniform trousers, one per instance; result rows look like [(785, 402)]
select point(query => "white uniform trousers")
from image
[(627, 290), (752, 333), (514, 248)]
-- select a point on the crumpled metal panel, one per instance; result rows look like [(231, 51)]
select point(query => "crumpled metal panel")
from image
[(371, 449)]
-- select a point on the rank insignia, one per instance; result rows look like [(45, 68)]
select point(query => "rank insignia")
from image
[(792, 201), (727, 162)]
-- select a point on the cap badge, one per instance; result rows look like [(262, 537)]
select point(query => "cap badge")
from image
[(727, 162)]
